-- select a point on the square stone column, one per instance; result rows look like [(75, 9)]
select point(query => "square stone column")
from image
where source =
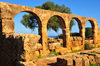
[(95, 36), (44, 36), (83, 36), (66, 38), (7, 26)]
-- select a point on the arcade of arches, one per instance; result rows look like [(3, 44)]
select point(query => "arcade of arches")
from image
[(9, 11)]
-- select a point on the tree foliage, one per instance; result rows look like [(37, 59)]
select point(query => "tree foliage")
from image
[(54, 23), (88, 33)]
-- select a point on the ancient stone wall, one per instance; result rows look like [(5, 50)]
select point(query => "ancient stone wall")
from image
[(17, 49), (82, 58), (9, 11), (21, 47), (76, 43)]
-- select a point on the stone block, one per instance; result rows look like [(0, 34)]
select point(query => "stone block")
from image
[(76, 48), (37, 53), (85, 61), (39, 46), (44, 52), (78, 62), (54, 45), (92, 60), (97, 58), (61, 62), (63, 51), (29, 56), (69, 62)]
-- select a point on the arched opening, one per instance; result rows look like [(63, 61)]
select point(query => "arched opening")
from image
[(27, 23), (89, 31), (75, 27), (57, 25), (76, 33)]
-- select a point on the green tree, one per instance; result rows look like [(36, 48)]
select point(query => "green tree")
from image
[(53, 23), (88, 33)]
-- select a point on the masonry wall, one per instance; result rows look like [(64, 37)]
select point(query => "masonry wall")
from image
[(17, 49), (76, 42)]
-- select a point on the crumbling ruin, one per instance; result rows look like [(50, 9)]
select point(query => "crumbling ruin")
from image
[(26, 42)]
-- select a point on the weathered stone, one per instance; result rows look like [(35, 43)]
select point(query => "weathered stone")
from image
[(85, 61), (61, 62), (23, 46), (37, 53), (78, 62), (69, 62), (11, 10), (44, 52), (97, 50), (28, 64), (76, 48), (39, 46), (54, 45), (60, 41), (97, 58), (92, 60), (63, 51)]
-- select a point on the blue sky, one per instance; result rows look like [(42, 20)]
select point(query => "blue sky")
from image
[(86, 8)]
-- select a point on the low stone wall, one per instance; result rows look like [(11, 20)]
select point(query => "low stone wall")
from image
[(76, 43), (17, 49), (85, 58)]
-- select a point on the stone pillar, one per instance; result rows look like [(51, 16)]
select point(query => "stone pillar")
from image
[(95, 36), (7, 26), (83, 36), (66, 38), (44, 35)]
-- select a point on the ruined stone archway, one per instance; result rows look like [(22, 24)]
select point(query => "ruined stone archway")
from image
[(79, 24), (8, 11), (63, 26), (38, 21), (76, 41), (94, 29)]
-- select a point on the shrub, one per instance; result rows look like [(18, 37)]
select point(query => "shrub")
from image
[(87, 47), (98, 46), (94, 52), (92, 47)]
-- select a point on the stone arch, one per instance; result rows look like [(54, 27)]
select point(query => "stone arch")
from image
[(94, 28), (93, 23), (79, 24), (38, 20), (63, 26)]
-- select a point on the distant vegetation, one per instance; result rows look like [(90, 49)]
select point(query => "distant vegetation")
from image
[(88, 34)]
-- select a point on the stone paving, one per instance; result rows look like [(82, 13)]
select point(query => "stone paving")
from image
[(82, 58)]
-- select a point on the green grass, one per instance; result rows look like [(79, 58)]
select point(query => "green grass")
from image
[(49, 55), (94, 65), (72, 64), (98, 46), (92, 47), (94, 52), (88, 47), (75, 51), (53, 53)]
